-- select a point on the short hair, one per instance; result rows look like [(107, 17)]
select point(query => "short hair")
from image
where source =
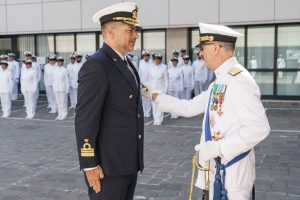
[(228, 46), (106, 25)]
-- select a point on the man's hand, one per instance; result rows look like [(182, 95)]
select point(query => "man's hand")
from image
[(208, 150), (148, 91), (93, 177)]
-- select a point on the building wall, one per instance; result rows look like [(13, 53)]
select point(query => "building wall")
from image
[(45, 16)]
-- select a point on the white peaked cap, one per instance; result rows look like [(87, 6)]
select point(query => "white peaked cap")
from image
[(123, 12), (214, 32)]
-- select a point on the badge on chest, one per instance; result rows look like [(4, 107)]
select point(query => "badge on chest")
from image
[(217, 100)]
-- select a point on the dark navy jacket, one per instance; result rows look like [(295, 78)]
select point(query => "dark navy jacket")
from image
[(109, 120)]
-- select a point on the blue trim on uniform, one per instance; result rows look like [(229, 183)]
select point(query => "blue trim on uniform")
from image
[(220, 193)]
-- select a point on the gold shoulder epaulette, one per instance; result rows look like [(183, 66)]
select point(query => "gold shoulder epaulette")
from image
[(234, 71)]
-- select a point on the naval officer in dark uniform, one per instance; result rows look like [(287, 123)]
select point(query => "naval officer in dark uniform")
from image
[(109, 120)]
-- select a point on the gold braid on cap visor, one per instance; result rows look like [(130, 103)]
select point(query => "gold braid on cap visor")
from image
[(206, 38), (127, 20)]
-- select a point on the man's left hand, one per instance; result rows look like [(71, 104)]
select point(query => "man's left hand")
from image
[(209, 150)]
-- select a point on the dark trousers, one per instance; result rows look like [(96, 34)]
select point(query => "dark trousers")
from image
[(114, 188)]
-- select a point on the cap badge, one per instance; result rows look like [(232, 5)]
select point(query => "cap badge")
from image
[(134, 14)]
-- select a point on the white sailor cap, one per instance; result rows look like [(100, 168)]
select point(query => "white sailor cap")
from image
[(3, 62), (27, 53), (3, 56), (175, 51), (11, 55), (78, 54), (186, 57), (59, 58), (28, 61), (158, 55), (220, 33), (182, 50), (145, 52), (126, 12), (52, 57), (72, 56)]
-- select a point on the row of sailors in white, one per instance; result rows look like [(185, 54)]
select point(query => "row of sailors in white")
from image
[(72, 73), (60, 86), (38, 72), (13, 67), (6, 88), (178, 81)]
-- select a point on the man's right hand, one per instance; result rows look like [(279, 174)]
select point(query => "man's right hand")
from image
[(94, 176), (148, 91)]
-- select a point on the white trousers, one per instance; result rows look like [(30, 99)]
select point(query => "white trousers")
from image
[(158, 117), (51, 98), (186, 93), (198, 87), (146, 106), (37, 92), (62, 104), (178, 95), (72, 97), (30, 100), (75, 96), (14, 94), (6, 104)]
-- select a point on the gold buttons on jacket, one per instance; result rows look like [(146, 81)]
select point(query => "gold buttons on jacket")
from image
[(140, 136), (130, 96)]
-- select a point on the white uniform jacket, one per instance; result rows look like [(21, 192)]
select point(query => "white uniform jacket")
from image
[(188, 76), (6, 81), (175, 79), (76, 69), (70, 67), (144, 69), (48, 74), (60, 80), (15, 69), (158, 77), (199, 71), (241, 122), (28, 80)]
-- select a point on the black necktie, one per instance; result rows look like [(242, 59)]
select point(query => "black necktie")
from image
[(131, 70)]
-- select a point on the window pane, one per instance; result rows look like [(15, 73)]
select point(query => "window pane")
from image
[(261, 47), (137, 51), (240, 46), (101, 41), (265, 82), (194, 42), (5, 45), (288, 47), (25, 43), (65, 46), (288, 83), (86, 43), (154, 41), (45, 45)]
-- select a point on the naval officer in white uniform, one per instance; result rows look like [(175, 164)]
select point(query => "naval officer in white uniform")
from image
[(234, 121)]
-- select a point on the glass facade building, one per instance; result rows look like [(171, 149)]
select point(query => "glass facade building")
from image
[(272, 55), (270, 52)]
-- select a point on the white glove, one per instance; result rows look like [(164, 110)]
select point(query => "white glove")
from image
[(197, 147), (147, 90), (209, 150)]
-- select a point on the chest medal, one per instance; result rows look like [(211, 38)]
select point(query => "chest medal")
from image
[(218, 98)]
